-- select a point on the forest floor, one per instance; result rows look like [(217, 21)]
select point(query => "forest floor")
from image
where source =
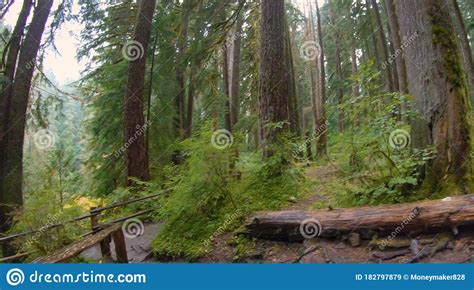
[(434, 248)]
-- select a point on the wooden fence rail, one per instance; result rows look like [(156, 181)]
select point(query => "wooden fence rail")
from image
[(102, 233)]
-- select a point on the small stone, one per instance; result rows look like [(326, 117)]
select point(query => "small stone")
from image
[(354, 239)]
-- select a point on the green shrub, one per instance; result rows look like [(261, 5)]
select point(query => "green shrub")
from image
[(207, 201)]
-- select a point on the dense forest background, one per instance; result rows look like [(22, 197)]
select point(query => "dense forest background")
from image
[(223, 105)]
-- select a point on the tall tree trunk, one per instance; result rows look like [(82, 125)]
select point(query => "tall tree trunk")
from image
[(13, 51), (391, 50), (370, 20), (316, 104), (293, 109), (466, 48), (136, 155), (338, 65), (383, 46), (180, 70), (226, 77), (188, 130), (321, 143), (273, 87), (235, 73), (438, 84), (12, 191), (397, 46), (355, 86)]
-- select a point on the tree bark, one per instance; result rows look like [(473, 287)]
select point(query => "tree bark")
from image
[(5, 96), (438, 84), (235, 73), (383, 46), (321, 143), (337, 64), (428, 216), (397, 44), (188, 130), (181, 44), (466, 48), (136, 155), (273, 86), (13, 50), (292, 94), (12, 180)]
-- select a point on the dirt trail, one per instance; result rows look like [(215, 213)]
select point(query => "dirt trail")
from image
[(346, 249), (435, 248)]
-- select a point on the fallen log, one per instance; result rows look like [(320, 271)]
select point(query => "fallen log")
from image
[(392, 220)]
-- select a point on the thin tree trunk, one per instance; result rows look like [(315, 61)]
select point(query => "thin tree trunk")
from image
[(273, 91), (226, 78), (397, 44), (293, 98), (337, 64), (321, 143), (136, 155), (188, 130), (383, 46), (180, 69), (13, 159), (373, 36), (235, 73)]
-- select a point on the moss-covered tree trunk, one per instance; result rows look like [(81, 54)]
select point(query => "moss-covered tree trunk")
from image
[(14, 45), (136, 155), (438, 84), (274, 91), (12, 179), (466, 47)]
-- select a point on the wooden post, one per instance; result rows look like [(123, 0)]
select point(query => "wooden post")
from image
[(105, 244), (120, 247)]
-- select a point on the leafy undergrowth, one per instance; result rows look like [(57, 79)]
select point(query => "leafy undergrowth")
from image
[(42, 210), (209, 200)]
